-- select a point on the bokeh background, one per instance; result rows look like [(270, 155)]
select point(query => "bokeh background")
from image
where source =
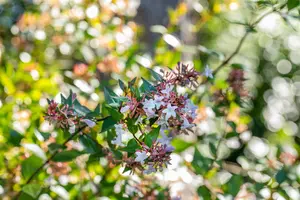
[(48, 47)]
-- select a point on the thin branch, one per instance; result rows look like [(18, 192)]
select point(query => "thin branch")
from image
[(54, 154), (238, 47)]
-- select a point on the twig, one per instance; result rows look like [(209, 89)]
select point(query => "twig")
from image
[(238, 47), (54, 154)]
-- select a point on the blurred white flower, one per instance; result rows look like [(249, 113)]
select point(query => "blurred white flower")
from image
[(208, 72), (141, 156), (89, 122), (170, 111)]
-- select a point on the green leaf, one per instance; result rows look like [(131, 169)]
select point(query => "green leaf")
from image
[(32, 189), (15, 137), (54, 147), (108, 123), (81, 110), (25, 196), (94, 113), (135, 91), (237, 66), (69, 100), (180, 145), (132, 82), (204, 193), (212, 149), (131, 125), (90, 145), (232, 125), (63, 99), (292, 4), (66, 156), (146, 87), (152, 136), (108, 94), (131, 147), (155, 75), (231, 135), (117, 154), (200, 163), (116, 115), (122, 85), (95, 157), (126, 169), (112, 98), (45, 135), (234, 184), (281, 176), (30, 165)]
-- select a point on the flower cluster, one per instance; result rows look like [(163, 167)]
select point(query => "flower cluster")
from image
[(62, 116), (65, 116), (162, 108)]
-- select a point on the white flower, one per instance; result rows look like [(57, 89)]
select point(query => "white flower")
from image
[(150, 169), (167, 90), (158, 101), (170, 111), (186, 124), (208, 72), (148, 104), (119, 127), (72, 126), (190, 108), (90, 123), (163, 124), (118, 140), (164, 140), (72, 129), (119, 132), (124, 109), (150, 113), (141, 156)]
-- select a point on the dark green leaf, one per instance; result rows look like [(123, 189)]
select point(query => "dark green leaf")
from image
[(66, 156), (122, 85), (116, 115), (155, 75), (131, 125), (108, 123), (69, 100), (32, 189), (108, 94), (90, 145), (204, 193), (212, 149), (15, 138), (152, 136), (281, 176), (94, 113), (131, 147), (95, 157), (200, 163), (117, 154), (231, 135), (54, 147), (234, 184), (292, 4), (81, 110), (146, 87), (30, 165), (63, 99)]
